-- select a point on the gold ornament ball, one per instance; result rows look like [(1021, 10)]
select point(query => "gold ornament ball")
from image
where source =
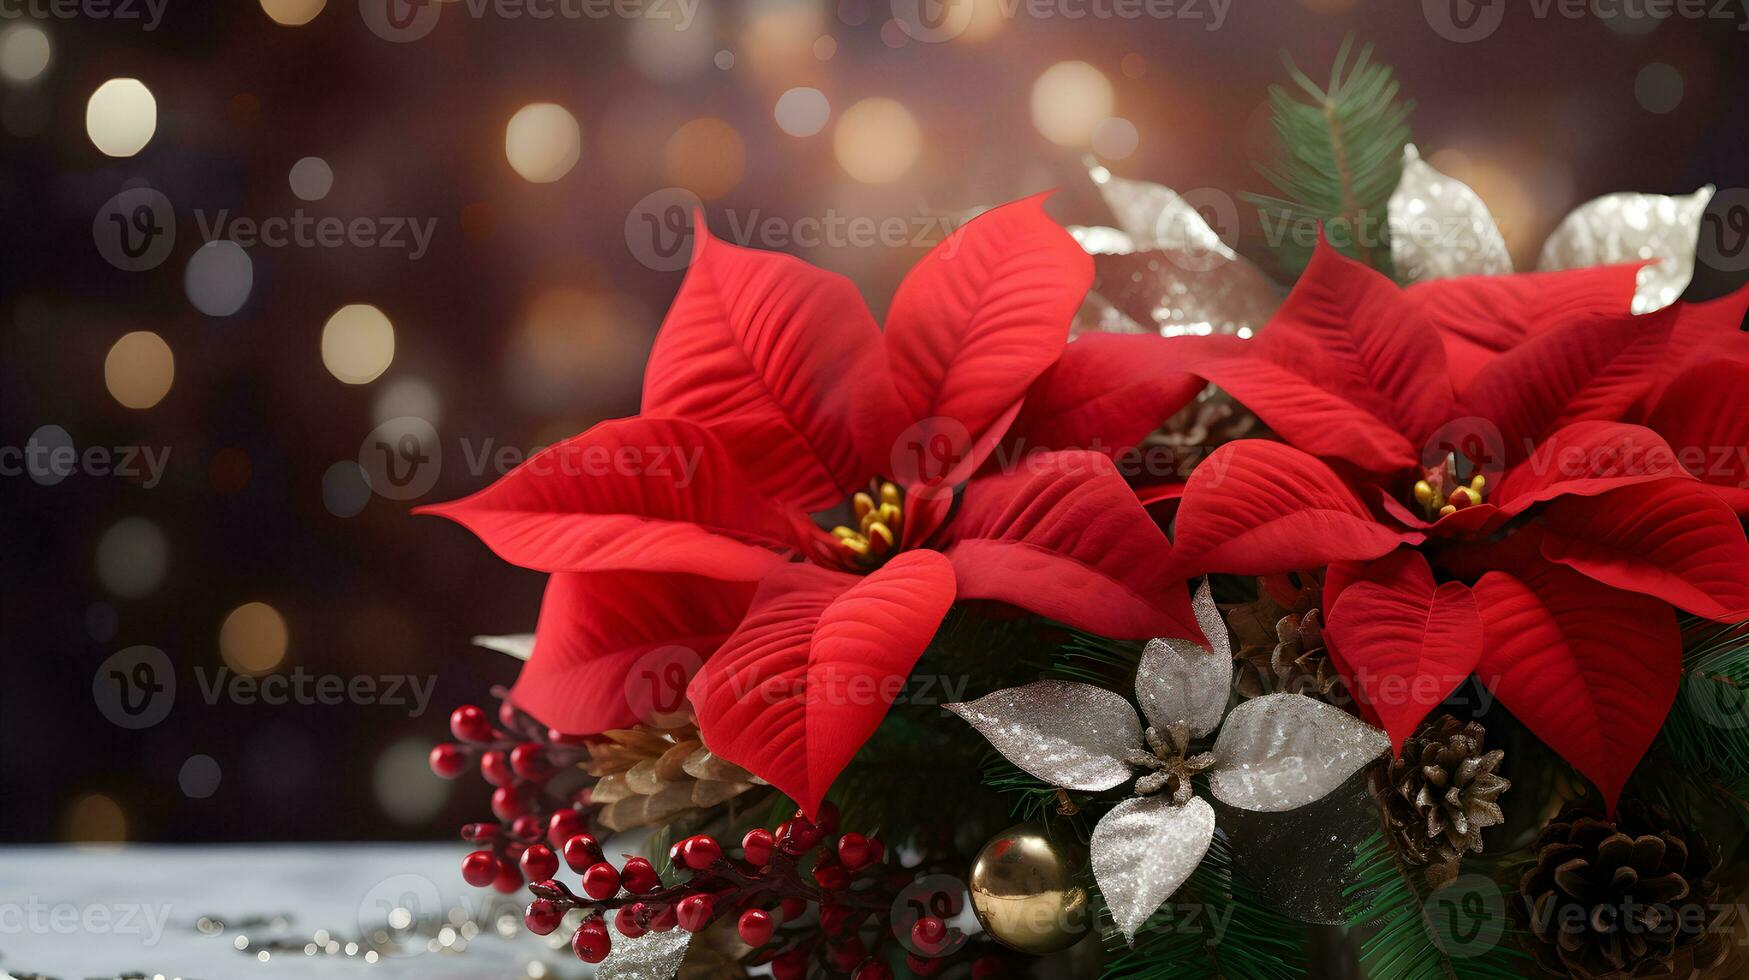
[(1026, 890)]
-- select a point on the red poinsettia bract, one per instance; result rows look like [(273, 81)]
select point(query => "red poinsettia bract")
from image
[(944, 448), (1458, 455)]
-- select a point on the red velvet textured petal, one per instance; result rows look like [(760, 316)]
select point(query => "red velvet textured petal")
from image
[(1256, 507), (1302, 411), (636, 494), (1585, 459), (1343, 328), (1481, 317), (1704, 415), (1674, 539), (976, 322), (1590, 670), (1404, 644), (1588, 370), (782, 362), (808, 676), (1106, 393), (1063, 536), (612, 650)]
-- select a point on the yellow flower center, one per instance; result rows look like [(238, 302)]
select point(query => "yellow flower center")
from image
[(880, 523), (1441, 492)]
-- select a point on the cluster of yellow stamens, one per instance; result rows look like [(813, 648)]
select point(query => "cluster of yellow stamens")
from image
[(1437, 503), (879, 525)]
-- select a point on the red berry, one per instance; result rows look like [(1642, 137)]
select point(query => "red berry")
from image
[(626, 920), (479, 831), (755, 927), (853, 850), (662, 918), (639, 876), (480, 868), (832, 877), (929, 935), (469, 724), (540, 863), (582, 852), (564, 825), (694, 912), (757, 846), (509, 879), (832, 919), (790, 965), (508, 716), (921, 966), (591, 943), (848, 954), (495, 769), (601, 881), (560, 738), (506, 805), (827, 817), (448, 760), (798, 835), (542, 917), (526, 828), (793, 908), (876, 851), (873, 970), (988, 968), (699, 853), (530, 761)]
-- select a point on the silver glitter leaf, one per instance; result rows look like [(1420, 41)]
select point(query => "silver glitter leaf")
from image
[(1632, 227), (1440, 228), (1097, 315), (1071, 735), (1282, 751), (518, 645), (652, 956), (1143, 849), (1157, 217), (1179, 681)]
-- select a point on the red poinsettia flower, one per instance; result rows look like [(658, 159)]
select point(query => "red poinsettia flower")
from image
[(1495, 518), (941, 451)]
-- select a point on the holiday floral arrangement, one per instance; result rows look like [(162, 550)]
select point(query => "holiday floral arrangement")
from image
[(1109, 612)]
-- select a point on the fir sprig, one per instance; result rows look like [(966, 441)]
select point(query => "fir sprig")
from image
[(1391, 901), (1708, 726), (1341, 155)]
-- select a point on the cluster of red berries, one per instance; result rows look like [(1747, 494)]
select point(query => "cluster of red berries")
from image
[(519, 760), (781, 878)]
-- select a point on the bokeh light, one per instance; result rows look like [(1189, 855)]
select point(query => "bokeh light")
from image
[(1658, 88), (404, 786), (802, 111), (293, 13), (345, 489), (199, 777), (877, 141), (707, 157), (1115, 138), (253, 638), (133, 556), (574, 343), (311, 178), (139, 369), (121, 117), (407, 396), (218, 278), (358, 343), (664, 51), (1069, 100), (94, 818), (24, 52), (542, 142)]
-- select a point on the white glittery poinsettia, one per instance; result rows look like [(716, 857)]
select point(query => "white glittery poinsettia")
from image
[(1272, 753)]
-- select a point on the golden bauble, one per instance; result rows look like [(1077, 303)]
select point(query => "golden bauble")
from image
[(1027, 892)]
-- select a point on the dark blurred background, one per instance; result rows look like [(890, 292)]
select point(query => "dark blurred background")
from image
[(256, 549)]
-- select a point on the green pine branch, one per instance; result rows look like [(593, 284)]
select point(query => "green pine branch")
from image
[(1390, 900), (1340, 157), (1708, 726)]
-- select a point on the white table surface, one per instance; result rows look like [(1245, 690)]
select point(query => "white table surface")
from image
[(137, 911)]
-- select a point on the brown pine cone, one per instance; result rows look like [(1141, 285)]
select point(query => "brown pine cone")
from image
[(648, 775), (1281, 650), (1439, 793), (1632, 898)]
